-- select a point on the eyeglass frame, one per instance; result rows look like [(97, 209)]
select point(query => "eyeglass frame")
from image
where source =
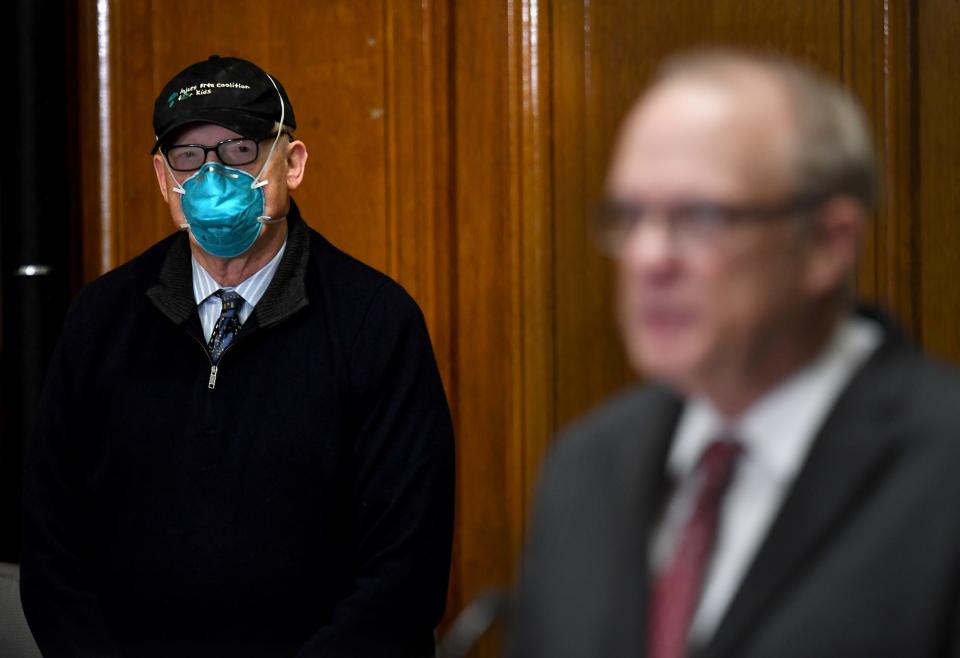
[(216, 149), (696, 221)]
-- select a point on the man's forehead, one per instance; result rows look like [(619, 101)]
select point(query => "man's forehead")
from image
[(687, 126), (678, 115), (747, 102), (199, 130)]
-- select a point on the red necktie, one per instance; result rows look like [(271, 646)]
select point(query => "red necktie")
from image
[(674, 598)]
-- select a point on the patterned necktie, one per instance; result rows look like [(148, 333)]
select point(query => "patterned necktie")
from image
[(676, 593), (228, 324)]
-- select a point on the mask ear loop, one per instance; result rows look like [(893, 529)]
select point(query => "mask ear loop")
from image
[(265, 219), (177, 187)]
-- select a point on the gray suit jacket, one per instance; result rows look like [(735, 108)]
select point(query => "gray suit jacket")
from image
[(862, 560)]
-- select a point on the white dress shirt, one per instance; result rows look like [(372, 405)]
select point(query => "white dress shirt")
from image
[(777, 432), (251, 289)]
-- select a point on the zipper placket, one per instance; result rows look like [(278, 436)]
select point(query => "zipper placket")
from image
[(214, 368)]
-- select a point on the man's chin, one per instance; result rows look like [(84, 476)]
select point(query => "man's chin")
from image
[(669, 363)]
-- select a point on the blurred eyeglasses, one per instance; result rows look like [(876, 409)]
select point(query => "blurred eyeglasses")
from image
[(689, 225)]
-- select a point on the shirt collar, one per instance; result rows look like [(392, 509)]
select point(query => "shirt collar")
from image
[(779, 428), (251, 288)]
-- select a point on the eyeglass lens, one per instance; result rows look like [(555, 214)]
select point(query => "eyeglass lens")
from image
[(234, 152)]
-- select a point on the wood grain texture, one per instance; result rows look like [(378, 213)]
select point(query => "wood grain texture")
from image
[(504, 324), (531, 170), (483, 346), (938, 163), (97, 250), (419, 223), (878, 68)]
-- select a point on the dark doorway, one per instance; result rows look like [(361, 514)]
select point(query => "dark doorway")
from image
[(38, 238)]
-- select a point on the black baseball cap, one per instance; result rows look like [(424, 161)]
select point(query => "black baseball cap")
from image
[(228, 91)]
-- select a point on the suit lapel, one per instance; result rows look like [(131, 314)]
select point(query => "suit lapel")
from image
[(857, 442), (658, 421), (656, 424)]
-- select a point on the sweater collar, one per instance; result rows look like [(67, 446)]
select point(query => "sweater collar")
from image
[(173, 295)]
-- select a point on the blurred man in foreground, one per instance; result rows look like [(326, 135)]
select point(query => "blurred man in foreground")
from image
[(786, 485)]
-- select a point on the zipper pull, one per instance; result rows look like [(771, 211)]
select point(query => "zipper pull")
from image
[(212, 383)]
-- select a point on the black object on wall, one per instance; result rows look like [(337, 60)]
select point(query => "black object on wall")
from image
[(37, 235)]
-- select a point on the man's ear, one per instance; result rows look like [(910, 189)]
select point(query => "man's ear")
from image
[(296, 163), (835, 239), (161, 172)]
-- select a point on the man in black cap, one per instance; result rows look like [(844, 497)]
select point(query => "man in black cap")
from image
[(245, 448)]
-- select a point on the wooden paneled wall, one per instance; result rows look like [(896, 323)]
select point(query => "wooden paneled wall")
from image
[(457, 145), (934, 193)]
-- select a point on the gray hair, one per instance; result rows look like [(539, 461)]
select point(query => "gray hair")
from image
[(833, 152), (283, 128)]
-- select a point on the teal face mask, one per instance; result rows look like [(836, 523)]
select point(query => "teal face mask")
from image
[(224, 209)]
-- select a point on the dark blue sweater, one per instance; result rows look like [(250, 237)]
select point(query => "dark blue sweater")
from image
[(301, 507)]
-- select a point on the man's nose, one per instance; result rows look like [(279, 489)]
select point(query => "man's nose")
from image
[(650, 246)]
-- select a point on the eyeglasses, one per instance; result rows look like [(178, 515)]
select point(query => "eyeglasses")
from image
[(233, 152), (690, 225)]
